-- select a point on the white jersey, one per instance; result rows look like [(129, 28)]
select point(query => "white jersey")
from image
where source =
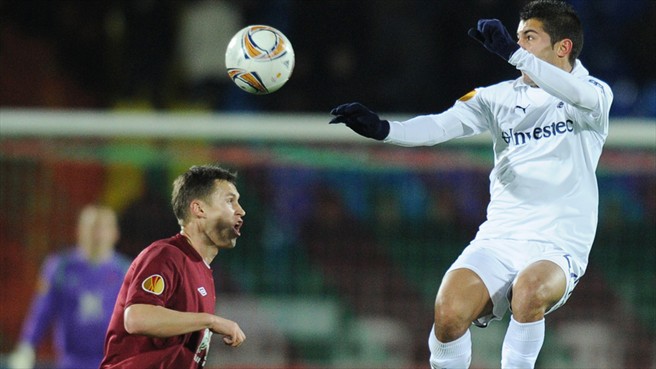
[(547, 143)]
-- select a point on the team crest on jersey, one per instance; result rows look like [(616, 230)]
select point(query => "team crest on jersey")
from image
[(467, 96), (153, 284)]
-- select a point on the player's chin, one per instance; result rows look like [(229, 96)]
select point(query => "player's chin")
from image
[(227, 240), (228, 243), (232, 240)]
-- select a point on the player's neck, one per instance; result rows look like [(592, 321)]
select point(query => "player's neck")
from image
[(97, 254), (207, 251)]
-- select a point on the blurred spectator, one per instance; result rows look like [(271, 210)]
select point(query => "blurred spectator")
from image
[(149, 216), (15, 268), (206, 27), (82, 46), (147, 52), (52, 54), (638, 45), (81, 54), (331, 43), (363, 273), (76, 295)]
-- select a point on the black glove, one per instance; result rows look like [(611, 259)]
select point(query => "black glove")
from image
[(361, 120), (495, 37)]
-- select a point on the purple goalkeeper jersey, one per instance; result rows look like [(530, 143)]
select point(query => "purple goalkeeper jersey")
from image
[(76, 298)]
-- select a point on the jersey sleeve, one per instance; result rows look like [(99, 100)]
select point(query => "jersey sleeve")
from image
[(156, 277), (598, 118), (44, 306), (582, 92), (467, 117)]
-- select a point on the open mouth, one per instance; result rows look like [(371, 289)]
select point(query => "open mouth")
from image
[(236, 228)]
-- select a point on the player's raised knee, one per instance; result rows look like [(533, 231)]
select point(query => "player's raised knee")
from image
[(450, 323)]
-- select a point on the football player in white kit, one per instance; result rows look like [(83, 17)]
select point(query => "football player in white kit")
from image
[(548, 128)]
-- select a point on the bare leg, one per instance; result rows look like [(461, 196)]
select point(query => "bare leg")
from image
[(538, 288), (462, 298)]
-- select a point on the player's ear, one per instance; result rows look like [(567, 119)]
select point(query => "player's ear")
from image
[(196, 209), (564, 47)]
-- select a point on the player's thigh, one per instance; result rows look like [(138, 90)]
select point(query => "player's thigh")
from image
[(538, 287), (462, 297)]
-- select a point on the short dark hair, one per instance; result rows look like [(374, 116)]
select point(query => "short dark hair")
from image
[(559, 20), (196, 183)]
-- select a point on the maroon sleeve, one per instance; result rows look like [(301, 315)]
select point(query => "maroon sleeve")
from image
[(156, 275)]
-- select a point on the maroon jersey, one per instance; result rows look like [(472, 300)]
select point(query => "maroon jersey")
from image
[(168, 273)]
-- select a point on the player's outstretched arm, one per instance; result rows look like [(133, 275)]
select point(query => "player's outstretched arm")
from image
[(158, 321), (361, 120)]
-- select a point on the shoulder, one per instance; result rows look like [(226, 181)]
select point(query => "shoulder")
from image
[(57, 266), (488, 95), (63, 255), (59, 259), (121, 261), (602, 86), (161, 250), (504, 85), (582, 74), (120, 257), (497, 90)]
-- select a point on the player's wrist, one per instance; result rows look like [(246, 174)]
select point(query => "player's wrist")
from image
[(210, 321), (517, 56), (512, 49), (381, 131)]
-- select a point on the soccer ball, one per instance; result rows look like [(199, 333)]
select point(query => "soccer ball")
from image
[(259, 59)]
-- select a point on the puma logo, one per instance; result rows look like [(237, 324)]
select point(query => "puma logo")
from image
[(523, 109)]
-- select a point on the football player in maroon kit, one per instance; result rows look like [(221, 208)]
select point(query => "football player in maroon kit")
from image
[(164, 313)]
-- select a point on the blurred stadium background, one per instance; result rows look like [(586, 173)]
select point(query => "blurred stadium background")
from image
[(345, 241)]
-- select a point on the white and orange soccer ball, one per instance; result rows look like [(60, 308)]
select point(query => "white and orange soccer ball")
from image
[(259, 59)]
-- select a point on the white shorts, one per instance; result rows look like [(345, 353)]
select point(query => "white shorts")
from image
[(498, 262)]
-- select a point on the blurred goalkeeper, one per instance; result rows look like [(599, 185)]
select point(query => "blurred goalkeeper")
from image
[(548, 128), (76, 295)]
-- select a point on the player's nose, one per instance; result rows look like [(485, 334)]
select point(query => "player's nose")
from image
[(240, 211)]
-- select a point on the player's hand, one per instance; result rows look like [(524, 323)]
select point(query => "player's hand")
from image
[(361, 120), (232, 334), (22, 358), (495, 37)]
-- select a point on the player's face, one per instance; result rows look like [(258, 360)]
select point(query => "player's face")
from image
[(97, 232), (224, 215), (535, 40)]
